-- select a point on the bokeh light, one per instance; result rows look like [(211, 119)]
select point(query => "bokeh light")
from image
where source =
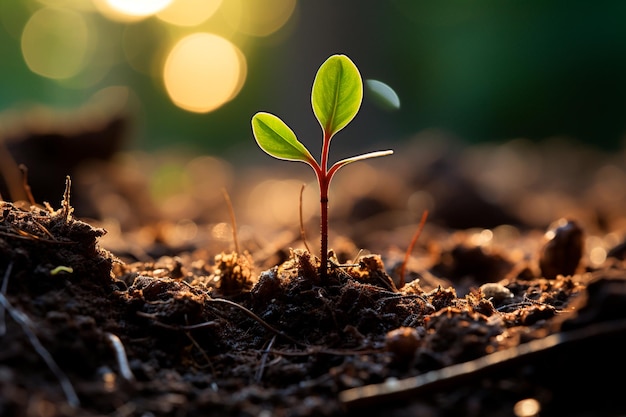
[(276, 202), (142, 8), (258, 18), (412, 47), (55, 42), (197, 51), (203, 71), (129, 11), (189, 12)]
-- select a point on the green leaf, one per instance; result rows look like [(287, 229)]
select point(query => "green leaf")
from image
[(337, 93), (383, 95), (277, 139)]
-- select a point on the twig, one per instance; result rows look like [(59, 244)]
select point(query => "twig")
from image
[(3, 290), (120, 355), (407, 254), (259, 372), (356, 258), (212, 323), (29, 194), (24, 322), (309, 349), (202, 351), (325, 351), (393, 389), (231, 212), (395, 296), (20, 234), (255, 317), (302, 232), (65, 204)]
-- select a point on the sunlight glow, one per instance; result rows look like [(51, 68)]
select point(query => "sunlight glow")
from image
[(55, 43), (482, 238), (203, 71), (129, 11), (529, 407), (69, 42), (274, 202), (189, 12), (138, 7), (260, 18)]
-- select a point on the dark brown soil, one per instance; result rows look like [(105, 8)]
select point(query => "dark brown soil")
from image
[(507, 303)]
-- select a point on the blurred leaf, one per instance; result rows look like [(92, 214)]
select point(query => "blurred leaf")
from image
[(383, 95)]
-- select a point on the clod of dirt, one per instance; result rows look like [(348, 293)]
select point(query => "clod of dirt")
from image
[(563, 249), (50, 247)]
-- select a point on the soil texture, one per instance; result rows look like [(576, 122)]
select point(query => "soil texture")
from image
[(511, 302)]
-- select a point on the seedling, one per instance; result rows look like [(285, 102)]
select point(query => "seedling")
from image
[(336, 98)]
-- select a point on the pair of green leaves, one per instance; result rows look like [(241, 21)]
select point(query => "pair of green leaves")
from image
[(336, 99)]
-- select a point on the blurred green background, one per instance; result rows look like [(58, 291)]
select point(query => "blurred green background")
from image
[(481, 71)]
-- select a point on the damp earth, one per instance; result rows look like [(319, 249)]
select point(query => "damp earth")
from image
[(169, 284)]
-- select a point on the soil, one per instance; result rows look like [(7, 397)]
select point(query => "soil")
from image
[(511, 302)]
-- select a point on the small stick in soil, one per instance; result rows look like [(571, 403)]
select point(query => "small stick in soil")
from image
[(231, 212), (21, 234), (212, 323), (407, 254), (24, 322), (44, 230), (3, 290), (309, 349), (25, 185), (302, 233), (120, 355), (313, 350), (250, 314), (444, 378), (202, 351), (259, 372), (65, 204)]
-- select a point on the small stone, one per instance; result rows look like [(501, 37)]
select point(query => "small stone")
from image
[(402, 343)]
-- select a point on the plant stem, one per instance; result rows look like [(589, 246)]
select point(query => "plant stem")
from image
[(324, 180), (324, 228)]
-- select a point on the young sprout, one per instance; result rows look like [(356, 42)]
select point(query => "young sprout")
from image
[(336, 98)]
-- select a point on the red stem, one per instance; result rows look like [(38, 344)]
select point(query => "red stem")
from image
[(407, 254), (324, 180), (324, 229)]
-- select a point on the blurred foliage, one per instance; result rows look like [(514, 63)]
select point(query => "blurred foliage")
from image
[(483, 71), (501, 69)]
